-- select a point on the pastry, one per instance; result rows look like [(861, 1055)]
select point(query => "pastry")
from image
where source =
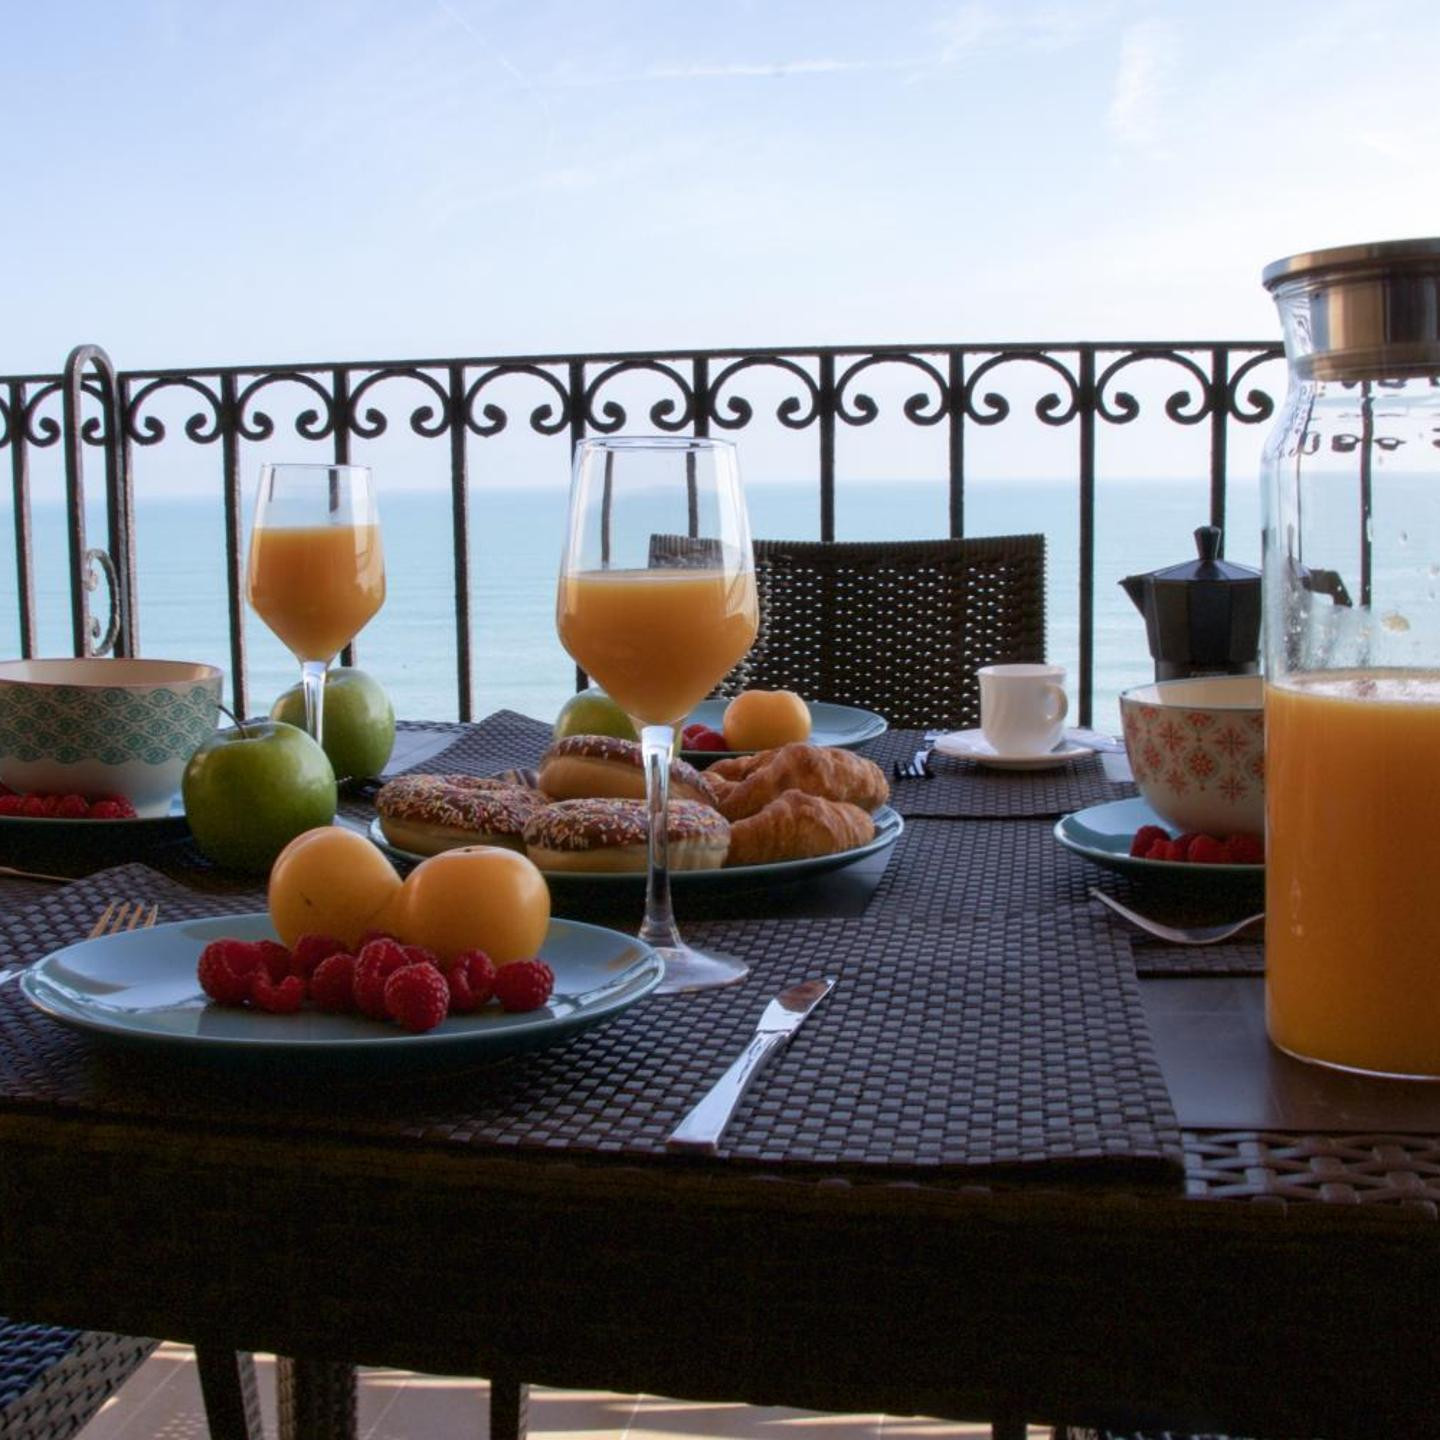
[(748, 783), (608, 835), (795, 826), (583, 767), (429, 813)]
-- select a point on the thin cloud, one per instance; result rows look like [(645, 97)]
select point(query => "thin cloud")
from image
[(1148, 57), (779, 68)]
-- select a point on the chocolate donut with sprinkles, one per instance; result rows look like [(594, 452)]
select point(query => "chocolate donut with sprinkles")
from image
[(426, 814), (582, 767), (607, 835)]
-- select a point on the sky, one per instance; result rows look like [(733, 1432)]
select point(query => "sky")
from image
[(264, 182)]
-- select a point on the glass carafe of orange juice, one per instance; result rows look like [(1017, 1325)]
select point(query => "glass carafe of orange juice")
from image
[(1352, 662)]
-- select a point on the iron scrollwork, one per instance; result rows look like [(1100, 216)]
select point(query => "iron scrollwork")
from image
[(795, 412), (547, 418)]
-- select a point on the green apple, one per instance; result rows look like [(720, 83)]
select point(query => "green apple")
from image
[(252, 789), (358, 732), (593, 712)]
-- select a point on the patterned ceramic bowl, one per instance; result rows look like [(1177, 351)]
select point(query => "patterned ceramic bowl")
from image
[(1197, 749), (104, 727)]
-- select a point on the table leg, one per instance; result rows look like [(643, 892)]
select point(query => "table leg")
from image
[(232, 1398), (509, 1408), (316, 1399)]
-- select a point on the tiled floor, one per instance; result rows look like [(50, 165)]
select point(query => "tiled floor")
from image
[(162, 1402)]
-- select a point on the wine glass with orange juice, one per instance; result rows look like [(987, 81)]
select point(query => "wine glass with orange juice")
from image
[(317, 570), (657, 624)]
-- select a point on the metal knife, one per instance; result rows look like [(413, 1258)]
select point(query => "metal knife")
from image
[(699, 1132)]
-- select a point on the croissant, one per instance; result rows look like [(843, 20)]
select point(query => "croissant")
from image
[(794, 826), (748, 783)]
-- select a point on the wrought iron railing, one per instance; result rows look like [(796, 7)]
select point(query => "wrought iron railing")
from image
[(823, 390)]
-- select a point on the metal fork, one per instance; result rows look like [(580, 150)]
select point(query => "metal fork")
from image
[(117, 916), (1177, 934), (916, 768), (121, 915)]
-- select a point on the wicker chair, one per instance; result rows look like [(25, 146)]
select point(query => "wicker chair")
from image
[(53, 1380), (895, 626)]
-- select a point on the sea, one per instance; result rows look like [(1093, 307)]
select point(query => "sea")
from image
[(518, 663)]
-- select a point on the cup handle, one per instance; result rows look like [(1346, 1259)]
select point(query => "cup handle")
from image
[(1062, 704)]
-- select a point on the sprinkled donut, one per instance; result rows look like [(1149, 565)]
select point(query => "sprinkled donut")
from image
[(582, 767), (608, 835), (429, 813)]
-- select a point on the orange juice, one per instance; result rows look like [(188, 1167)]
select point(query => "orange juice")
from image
[(1352, 931), (316, 586), (657, 640)]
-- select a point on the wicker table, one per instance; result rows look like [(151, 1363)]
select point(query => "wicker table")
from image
[(1289, 1287)]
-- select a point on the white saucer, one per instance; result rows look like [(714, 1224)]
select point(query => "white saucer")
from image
[(972, 745)]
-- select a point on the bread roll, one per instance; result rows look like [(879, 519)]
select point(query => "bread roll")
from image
[(745, 784), (583, 767), (607, 835), (796, 826), (426, 814)]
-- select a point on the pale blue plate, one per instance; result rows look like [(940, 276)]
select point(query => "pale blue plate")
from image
[(888, 828), (1103, 834), (842, 725), (140, 985)]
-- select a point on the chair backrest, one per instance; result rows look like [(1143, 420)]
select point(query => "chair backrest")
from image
[(895, 626)]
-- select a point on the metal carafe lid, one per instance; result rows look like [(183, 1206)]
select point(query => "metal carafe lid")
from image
[(1208, 566), (1361, 312)]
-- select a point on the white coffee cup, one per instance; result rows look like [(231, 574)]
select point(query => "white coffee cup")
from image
[(1022, 707)]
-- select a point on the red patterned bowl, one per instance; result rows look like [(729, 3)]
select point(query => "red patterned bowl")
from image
[(1197, 749)]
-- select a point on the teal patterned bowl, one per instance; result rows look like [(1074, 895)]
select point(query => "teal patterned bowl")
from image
[(104, 727)]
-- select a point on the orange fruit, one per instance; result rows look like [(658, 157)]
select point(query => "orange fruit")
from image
[(480, 897), (330, 881), (762, 719)]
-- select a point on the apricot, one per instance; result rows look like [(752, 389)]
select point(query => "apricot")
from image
[(330, 881), (479, 897), (762, 719)]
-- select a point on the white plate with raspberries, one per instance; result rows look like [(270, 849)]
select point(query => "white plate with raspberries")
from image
[(143, 986)]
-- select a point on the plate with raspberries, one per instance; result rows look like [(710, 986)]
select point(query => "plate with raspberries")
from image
[(702, 739), (64, 816), (1128, 835), (225, 987)]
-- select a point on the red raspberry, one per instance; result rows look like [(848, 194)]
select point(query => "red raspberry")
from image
[(1207, 850), (524, 985), (374, 965), (370, 935), (224, 970), (37, 807), (332, 984), (109, 810), (284, 998), (1145, 837), (701, 737), (310, 950), (419, 955), (126, 809), (11, 804), (471, 978), (72, 807), (417, 996), (1246, 849), (275, 957)]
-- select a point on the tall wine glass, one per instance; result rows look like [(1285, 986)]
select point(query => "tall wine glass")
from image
[(317, 571), (656, 602)]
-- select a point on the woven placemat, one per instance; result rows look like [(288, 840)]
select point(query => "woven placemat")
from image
[(978, 869), (962, 789), (1016, 1044)]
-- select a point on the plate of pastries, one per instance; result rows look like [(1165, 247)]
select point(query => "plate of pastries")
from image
[(581, 814)]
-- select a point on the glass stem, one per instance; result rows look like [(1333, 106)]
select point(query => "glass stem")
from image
[(659, 927), (312, 678)]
